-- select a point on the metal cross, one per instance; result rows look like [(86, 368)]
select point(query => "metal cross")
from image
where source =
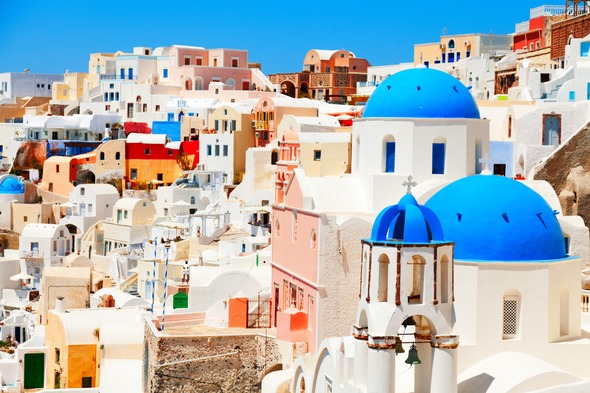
[(409, 184), (487, 161)]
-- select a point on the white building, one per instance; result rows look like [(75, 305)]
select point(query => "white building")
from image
[(25, 84), (43, 245), (88, 204)]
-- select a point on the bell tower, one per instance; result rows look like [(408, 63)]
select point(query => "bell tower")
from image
[(406, 300)]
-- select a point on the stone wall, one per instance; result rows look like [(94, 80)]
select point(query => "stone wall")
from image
[(571, 159), (578, 27), (217, 363)]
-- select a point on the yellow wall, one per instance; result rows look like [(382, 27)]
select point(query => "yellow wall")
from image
[(81, 363), (334, 161), (148, 170)]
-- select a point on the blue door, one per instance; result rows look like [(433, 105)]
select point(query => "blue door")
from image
[(551, 130), (130, 73), (122, 73), (438, 158), (170, 116), (390, 157)]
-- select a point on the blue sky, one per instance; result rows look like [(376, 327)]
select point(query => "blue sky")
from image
[(55, 36)]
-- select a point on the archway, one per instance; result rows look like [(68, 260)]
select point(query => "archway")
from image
[(288, 88), (188, 84), (86, 176)]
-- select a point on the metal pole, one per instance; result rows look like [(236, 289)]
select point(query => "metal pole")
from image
[(154, 276), (167, 247)]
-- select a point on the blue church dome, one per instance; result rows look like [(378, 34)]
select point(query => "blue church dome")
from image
[(10, 184), (407, 222), (421, 93), (493, 218)]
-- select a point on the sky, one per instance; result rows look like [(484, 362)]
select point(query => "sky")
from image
[(55, 36)]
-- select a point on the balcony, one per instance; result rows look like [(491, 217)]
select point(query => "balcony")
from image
[(117, 77), (32, 255)]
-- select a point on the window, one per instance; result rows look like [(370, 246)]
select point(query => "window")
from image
[(217, 125), (327, 68), (187, 60), (317, 155), (572, 95), (193, 200), (199, 60), (165, 73), (57, 355), (102, 155), (416, 279), (125, 213), (122, 73), (225, 150), (160, 176), (382, 288), (390, 156), (130, 73), (57, 169), (170, 153), (234, 125), (467, 53), (217, 150), (133, 175), (438, 158), (83, 190), (209, 150), (57, 384), (86, 382), (147, 152), (451, 44), (510, 316), (157, 108), (117, 156), (234, 63)]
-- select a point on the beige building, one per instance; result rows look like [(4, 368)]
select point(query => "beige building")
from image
[(70, 283), (224, 148), (191, 127), (110, 161), (130, 225), (27, 213), (453, 48)]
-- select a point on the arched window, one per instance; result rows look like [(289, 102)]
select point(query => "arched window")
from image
[(416, 279), (231, 83), (438, 156), (102, 155), (445, 283), (389, 154), (451, 44), (383, 278), (117, 155), (199, 83), (192, 200), (277, 228), (313, 239), (510, 314)]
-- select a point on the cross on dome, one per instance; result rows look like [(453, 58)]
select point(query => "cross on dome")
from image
[(409, 184), (487, 161)]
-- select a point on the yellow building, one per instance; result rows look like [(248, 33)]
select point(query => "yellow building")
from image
[(79, 342)]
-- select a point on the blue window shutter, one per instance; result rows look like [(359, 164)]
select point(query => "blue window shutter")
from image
[(390, 157), (438, 158)]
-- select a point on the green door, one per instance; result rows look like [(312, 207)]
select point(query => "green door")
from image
[(34, 374), (180, 300)]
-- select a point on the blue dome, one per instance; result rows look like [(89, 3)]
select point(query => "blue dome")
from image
[(407, 222), (421, 93), (493, 218), (10, 184)]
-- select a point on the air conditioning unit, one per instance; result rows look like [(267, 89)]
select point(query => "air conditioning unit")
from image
[(257, 134)]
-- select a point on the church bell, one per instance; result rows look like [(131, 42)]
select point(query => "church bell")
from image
[(413, 356)]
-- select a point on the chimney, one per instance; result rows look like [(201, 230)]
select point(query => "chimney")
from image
[(60, 305)]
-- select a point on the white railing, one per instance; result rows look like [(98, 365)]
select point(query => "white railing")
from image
[(547, 9), (585, 301)]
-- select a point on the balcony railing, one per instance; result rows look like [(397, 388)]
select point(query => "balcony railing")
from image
[(117, 77), (585, 301), (32, 254)]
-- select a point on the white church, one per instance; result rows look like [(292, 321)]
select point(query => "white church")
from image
[(477, 290)]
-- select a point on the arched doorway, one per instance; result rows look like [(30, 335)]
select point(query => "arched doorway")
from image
[(288, 88)]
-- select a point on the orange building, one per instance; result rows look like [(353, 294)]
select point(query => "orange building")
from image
[(329, 75)]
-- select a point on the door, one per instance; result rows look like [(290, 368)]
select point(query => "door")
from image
[(276, 306), (551, 130), (34, 366)]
